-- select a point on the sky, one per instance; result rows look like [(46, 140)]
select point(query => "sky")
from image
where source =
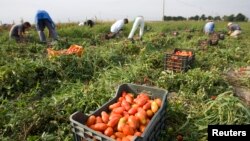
[(80, 10)]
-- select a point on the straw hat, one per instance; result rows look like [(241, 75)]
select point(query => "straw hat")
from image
[(229, 24)]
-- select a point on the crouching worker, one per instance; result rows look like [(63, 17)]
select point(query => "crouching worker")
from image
[(209, 27), (17, 31), (116, 28), (89, 23), (42, 20), (139, 21), (234, 29)]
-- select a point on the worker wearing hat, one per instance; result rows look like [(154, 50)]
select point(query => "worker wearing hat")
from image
[(234, 29)]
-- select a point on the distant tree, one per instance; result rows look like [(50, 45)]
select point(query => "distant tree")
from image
[(167, 18), (210, 18), (225, 18), (178, 18), (203, 17), (217, 18), (196, 18), (181, 18), (230, 18), (240, 17)]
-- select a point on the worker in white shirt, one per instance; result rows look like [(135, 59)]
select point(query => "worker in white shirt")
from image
[(234, 29), (116, 28), (139, 21)]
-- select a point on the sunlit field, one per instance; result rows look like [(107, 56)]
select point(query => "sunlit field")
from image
[(38, 94)]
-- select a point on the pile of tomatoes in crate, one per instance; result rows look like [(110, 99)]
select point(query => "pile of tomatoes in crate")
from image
[(126, 118)]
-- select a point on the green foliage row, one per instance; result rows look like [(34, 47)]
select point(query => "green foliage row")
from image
[(38, 94)]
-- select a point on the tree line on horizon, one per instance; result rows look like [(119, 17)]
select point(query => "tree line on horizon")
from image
[(239, 18)]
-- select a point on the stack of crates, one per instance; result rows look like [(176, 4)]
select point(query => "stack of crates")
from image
[(179, 63), (157, 124)]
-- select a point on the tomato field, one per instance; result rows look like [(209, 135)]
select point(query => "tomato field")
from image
[(38, 94)]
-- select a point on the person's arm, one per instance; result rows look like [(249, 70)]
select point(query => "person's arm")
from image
[(36, 21), (120, 27), (51, 21), (231, 28), (21, 31)]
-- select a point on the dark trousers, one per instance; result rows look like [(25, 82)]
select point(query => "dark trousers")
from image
[(42, 23)]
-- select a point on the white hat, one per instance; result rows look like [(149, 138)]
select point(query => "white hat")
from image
[(229, 24)]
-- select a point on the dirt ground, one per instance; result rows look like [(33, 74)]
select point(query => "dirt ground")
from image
[(234, 77)]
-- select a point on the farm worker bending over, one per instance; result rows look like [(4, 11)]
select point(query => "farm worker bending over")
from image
[(209, 27), (234, 29), (17, 31), (116, 28), (139, 21), (42, 20), (89, 23)]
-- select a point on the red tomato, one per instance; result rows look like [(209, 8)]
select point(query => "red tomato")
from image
[(126, 105), (142, 128), (91, 120), (118, 110), (131, 95), (133, 122), (105, 116), (109, 131), (119, 134), (112, 115), (147, 106), (138, 133), (150, 113), (213, 97), (125, 114), (129, 99), (158, 101), (100, 126), (124, 93), (121, 123), (121, 99), (154, 107), (127, 130), (141, 118), (132, 111), (125, 139), (113, 122), (142, 111), (113, 136), (118, 139), (141, 101), (98, 119), (144, 96), (130, 137), (115, 105)]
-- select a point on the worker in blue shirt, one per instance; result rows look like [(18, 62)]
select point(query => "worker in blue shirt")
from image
[(209, 27), (42, 20)]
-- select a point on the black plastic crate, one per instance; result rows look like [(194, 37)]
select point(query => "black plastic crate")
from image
[(82, 132), (178, 63)]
